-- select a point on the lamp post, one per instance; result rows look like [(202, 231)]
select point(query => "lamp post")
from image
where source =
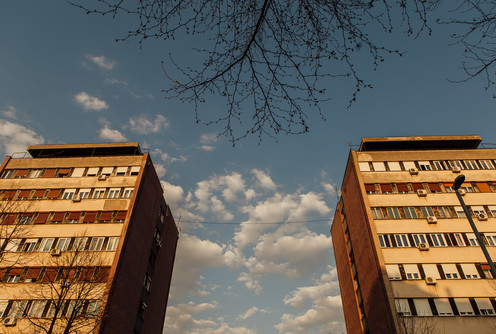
[(456, 185)]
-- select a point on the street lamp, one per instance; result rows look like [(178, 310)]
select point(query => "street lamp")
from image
[(456, 185)]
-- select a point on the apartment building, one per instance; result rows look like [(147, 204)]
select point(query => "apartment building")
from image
[(87, 241), (407, 258)]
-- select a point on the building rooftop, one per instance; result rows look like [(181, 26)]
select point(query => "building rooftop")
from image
[(415, 143), (84, 150)]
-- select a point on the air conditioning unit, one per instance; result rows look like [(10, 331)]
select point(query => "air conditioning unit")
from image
[(9, 321), (430, 280), (431, 220), (482, 216), (76, 198), (102, 177), (456, 169), (423, 246), (462, 192), (55, 252), (422, 192), (413, 171)]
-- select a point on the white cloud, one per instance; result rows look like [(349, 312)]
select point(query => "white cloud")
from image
[(193, 256), (264, 180), (180, 204), (208, 148), (165, 157), (107, 133), (10, 112), (114, 81), (181, 318), (102, 62), (90, 102), (250, 312), (15, 137), (142, 125), (160, 169), (325, 313), (207, 139)]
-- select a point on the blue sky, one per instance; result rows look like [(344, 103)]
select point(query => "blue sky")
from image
[(63, 79)]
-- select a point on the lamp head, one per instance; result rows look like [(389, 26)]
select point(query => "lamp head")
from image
[(458, 182)]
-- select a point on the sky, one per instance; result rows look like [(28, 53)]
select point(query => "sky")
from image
[(254, 253)]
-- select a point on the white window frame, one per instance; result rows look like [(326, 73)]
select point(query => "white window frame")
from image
[(385, 241), (96, 243), (377, 213), (459, 239), (424, 165), (393, 272), (456, 163), (78, 172), (112, 244), (491, 238), (114, 193), (13, 278), (379, 166), (411, 271), (410, 212), (128, 193), (492, 210), (393, 212), (46, 244), (486, 164), (439, 165), (68, 193), (472, 239), (79, 243), (419, 238), (29, 245), (438, 240), (84, 193), (98, 193), (402, 240), (63, 244), (471, 164), (36, 309), (459, 212), (450, 271)]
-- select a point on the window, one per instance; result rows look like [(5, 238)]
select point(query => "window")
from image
[(370, 188), (384, 241), (377, 213), (427, 211), (422, 306), (439, 165), (386, 188), (21, 173), (411, 271), (379, 166), (114, 192), (464, 307), (93, 308), (444, 212), (38, 194), (410, 213), (121, 171), (467, 187), (456, 163), (459, 239), (472, 240), (393, 271), (363, 166), (46, 244), (469, 270), (419, 238), (147, 282), (96, 243), (471, 164), (394, 166), (434, 187), (402, 307), (135, 169), (25, 219), (35, 173), (491, 238), (24, 194), (7, 174), (438, 240), (450, 271), (68, 193), (443, 306), (75, 308), (485, 306), (18, 308), (37, 308), (402, 188), (492, 209), (78, 172), (459, 212), (12, 245), (477, 209), (409, 164), (64, 172), (84, 193), (430, 270), (58, 217), (128, 192), (63, 244), (99, 193), (13, 278), (112, 243), (120, 217), (401, 240), (424, 165), (92, 171), (29, 245), (107, 171), (393, 213), (486, 164), (79, 244)]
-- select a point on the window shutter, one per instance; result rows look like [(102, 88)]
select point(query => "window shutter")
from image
[(49, 172), (54, 193), (386, 187), (483, 187), (417, 186), (106, 215), (42, 218), (15, 271), (121, 215), (136, 169), (369, 187), (11, 217), (24, 193), (435, 187), (402, 187), (9, 194), (21, 173), (39, 193), (107, 170), (64, 171), (75, 215), (58, 216), (121, 169), (90, 216), (78, 172)]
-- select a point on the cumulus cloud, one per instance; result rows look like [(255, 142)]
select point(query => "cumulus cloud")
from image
[(179, 202), (90, 102), (325, 313), (250, 312), (193, 256), (160, 169), (106, 133), (143, 125), (9, 112), (102, 62), (264, 180), (165, 157), (15, 137)]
